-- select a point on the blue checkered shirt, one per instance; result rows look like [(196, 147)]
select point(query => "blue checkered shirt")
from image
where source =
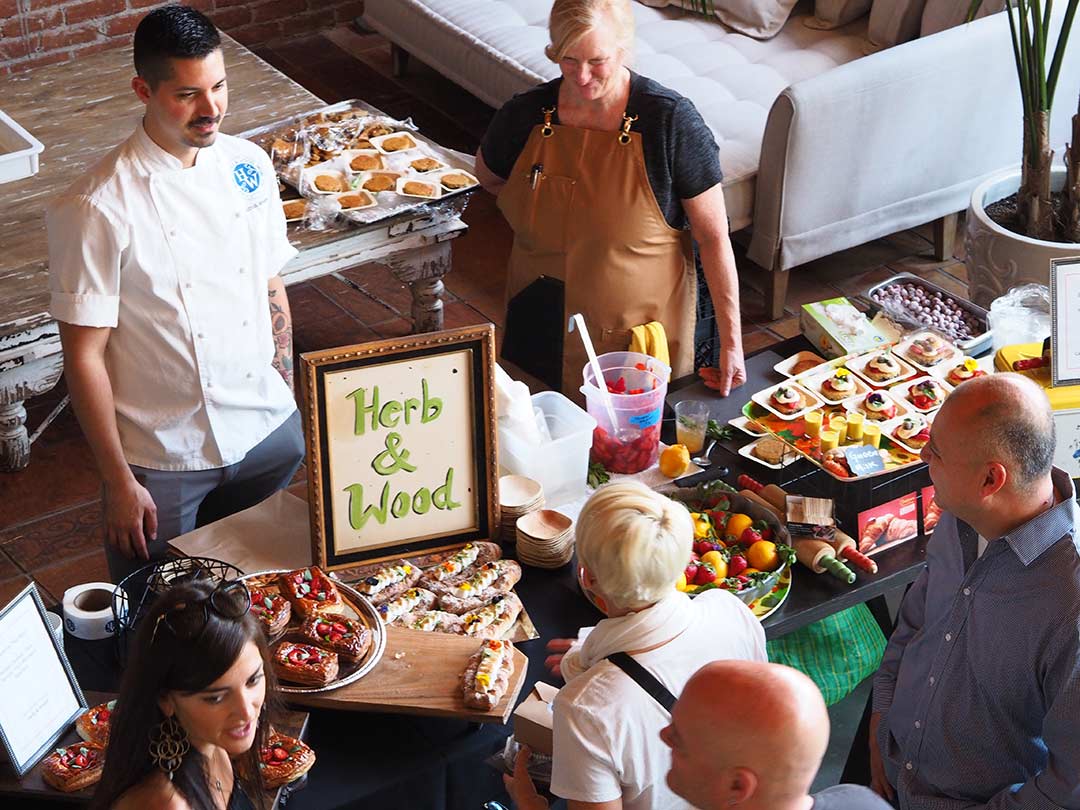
[(979, 686)]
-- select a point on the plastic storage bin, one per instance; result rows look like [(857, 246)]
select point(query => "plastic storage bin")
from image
[(632, 444), (561, 465)]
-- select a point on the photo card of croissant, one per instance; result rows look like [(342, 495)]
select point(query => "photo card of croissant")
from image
[(889, 524)]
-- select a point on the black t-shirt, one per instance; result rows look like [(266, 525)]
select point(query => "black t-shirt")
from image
[(849, 797), (681, 156)]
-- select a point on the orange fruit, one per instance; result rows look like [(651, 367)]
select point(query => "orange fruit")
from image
[(716, 559), (737, 524), (762, 555), (674, 461)]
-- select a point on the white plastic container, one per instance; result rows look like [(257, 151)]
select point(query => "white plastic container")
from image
[(19, 151), (560, 465)]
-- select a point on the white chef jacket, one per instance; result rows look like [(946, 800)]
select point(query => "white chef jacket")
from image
[(177, 262)]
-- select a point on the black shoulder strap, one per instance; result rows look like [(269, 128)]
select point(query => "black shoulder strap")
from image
[(643, 678)]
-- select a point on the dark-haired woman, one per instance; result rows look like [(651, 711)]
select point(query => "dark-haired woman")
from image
[(191, 716)]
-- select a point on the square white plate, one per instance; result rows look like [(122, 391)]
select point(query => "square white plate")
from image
[(810, 401), (743, 424), (786, 367), (790, 458)]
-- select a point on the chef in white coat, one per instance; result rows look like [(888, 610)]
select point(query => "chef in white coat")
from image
[(163, 264)]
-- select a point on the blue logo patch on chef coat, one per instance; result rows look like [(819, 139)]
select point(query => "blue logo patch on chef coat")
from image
[(247, 177)]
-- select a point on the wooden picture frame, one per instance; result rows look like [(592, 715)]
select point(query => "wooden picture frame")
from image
[(39, 708), (401, 439)]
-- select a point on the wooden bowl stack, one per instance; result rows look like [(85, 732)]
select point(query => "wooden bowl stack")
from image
[(545, 539), (518, 496)]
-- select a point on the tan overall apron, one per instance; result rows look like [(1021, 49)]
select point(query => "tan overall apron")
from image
[(590, 237)]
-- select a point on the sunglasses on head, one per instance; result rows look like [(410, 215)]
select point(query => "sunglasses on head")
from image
[(186, 620)]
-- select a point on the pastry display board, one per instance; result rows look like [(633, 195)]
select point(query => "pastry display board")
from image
[(420, 674), (32, 787)]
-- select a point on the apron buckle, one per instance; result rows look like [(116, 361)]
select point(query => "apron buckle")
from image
[(547, 130), (627, 121)]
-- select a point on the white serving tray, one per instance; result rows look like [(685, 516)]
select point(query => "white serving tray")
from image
[(19, 151)]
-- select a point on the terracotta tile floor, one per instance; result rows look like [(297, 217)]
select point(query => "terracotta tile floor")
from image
[(50, 513)]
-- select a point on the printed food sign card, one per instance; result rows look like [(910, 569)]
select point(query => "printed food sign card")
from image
[(404, 439)]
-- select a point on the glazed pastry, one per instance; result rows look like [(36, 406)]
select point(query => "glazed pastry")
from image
[(305, 664), (412, 601), (388, 582), (346, 636), (928, 350), (284, 759), (309, 591), (271, 609), (968, 370), (493, 579), (494, 620), (882, 367), (838, 386), (878, 407), (487, 677), (913, 431), (73, 768), (786, 400), (93, 724), (926, 394)]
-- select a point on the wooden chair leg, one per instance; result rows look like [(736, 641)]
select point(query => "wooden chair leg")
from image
[(776, 293), (400, 60), (945, 237)]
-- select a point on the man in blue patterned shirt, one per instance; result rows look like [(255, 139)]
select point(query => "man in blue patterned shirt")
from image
[(977, 701)]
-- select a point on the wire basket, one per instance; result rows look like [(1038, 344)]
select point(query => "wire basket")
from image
[(136, 594)]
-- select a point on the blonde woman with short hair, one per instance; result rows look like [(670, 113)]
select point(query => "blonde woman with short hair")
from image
[(608, 179), (632, 544)]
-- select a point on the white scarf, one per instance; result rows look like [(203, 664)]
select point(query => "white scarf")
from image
[(649, 627)]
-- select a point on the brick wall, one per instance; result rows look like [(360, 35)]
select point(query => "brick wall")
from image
[(43, 32)]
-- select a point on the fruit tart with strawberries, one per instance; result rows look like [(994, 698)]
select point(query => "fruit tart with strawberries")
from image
[(271, 609), (284, 759), (927, 394), (93, 724), (912, 431), (839, 386), (337, 633), (75, 767), (305, 664), (309, 591)]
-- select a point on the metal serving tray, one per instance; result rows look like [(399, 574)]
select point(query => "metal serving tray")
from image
[(976, 345)]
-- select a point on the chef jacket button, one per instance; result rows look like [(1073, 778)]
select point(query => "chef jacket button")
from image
[(909, 766), (200, 336), (948, 636), (209, 384), (967, 591), (172, 232), (918, 724), (931, 680)]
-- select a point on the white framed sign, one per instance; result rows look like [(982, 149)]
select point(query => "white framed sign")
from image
[(401, 445), (41, 696), (1065, 321)]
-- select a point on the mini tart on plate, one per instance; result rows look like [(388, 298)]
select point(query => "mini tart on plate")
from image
[(284, 759), (928, 350), (878, 407), (93, 724), (913, 431), (305, 664), (786, 399), (271, 609), (839, 386), (926, 394), (309, 591), (882, 367), (968, 370), (337, 633), (75, 767)]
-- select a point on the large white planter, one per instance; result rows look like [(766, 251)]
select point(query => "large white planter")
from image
[(998, 259)]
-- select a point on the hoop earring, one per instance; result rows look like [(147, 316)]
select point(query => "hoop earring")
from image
[(168, 746)]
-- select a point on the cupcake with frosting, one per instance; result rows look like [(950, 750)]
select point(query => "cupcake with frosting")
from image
[(968, 370), (913, 431), (839, 386), (883, 367), (878, 407)]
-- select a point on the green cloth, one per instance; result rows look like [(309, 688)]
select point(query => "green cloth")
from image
[(837, 653)]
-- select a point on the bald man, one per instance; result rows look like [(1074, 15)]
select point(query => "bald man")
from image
[(751, 735), (977, 701)]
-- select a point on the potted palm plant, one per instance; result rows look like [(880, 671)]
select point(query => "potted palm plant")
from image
[(1018, 221)]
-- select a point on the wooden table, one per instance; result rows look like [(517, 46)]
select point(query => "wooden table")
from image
[(80, 111), (32, 786)]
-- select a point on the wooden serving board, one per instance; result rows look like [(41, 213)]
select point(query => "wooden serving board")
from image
[(420, 673)]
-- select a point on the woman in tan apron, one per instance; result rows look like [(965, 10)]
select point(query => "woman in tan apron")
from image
[(590, 235)]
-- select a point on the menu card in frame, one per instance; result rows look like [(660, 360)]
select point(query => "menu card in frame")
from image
[(41, 696), (1065, 321)]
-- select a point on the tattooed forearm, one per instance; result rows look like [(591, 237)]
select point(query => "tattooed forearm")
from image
[(281, 328)]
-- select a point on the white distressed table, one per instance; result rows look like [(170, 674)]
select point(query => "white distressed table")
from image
[(83, 109)]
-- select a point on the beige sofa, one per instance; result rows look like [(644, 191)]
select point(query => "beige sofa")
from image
[(824, 145)]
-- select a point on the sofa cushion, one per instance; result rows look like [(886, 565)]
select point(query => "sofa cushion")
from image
[(495, 48), (834, 13), (894, 21), (941, 14), (761, 19)]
